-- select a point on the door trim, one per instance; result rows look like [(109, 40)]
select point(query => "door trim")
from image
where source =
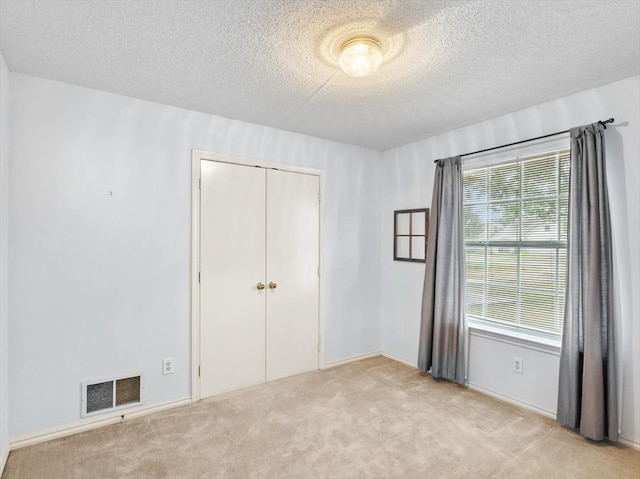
[(196, 157)]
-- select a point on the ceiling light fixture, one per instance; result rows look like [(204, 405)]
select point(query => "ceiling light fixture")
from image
[(360, 56)]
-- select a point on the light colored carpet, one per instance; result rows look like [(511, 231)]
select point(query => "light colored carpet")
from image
[(372, 419)]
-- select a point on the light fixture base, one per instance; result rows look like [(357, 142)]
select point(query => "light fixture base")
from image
[(363, 40)]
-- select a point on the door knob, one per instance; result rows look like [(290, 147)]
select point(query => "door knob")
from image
[(260, 286), (272, 285)]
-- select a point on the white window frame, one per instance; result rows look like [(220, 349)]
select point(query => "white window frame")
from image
[(548, 342)]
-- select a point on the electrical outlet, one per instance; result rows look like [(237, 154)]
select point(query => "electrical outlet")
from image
[(517, 365), (167, 366)]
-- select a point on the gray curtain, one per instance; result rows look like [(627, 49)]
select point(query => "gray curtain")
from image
[(443, 330), (587, 390)]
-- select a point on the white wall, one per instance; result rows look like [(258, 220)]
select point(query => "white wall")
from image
[(406, 182), (4, 251), (99, 284)]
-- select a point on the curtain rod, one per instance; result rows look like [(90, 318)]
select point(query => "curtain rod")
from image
[(602, 122)]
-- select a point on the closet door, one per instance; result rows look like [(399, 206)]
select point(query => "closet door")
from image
[(232, 268), (292, 273)]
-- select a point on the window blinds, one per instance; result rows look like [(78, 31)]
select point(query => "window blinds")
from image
[(515, 218)]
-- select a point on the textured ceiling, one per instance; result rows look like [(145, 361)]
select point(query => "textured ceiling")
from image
[(272, 62)]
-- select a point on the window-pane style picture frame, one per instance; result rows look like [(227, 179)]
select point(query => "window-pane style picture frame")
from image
[(410, 232)]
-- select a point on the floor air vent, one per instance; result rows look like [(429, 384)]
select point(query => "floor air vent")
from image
[(111, 394)]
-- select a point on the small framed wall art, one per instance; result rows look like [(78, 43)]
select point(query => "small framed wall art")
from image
[(410, 232)]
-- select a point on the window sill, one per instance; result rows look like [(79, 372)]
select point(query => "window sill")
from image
[(545, 345)]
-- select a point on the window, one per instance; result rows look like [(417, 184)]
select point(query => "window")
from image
[(410, 232), (515, 219)]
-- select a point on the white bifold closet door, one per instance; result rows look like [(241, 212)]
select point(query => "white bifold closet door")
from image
[(232, 260), (259, 259), (292, 264)]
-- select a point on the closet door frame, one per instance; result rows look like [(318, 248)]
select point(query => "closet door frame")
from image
[(197, 156)]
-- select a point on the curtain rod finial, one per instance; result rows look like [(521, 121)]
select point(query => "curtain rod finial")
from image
[(604, 122)]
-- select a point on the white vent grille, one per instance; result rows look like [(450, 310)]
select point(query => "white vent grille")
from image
[(111, 394)]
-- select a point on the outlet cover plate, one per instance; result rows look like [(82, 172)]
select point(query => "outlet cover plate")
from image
[(517, 365), (168, 366)]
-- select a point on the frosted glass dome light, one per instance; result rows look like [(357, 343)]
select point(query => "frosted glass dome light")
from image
[(360, 57)]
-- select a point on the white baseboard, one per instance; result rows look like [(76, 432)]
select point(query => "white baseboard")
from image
[(400, 360), (513, 401), (4, 455), (360, 357), (38, 437), (350, 359), (628, 442), (158, 408)]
